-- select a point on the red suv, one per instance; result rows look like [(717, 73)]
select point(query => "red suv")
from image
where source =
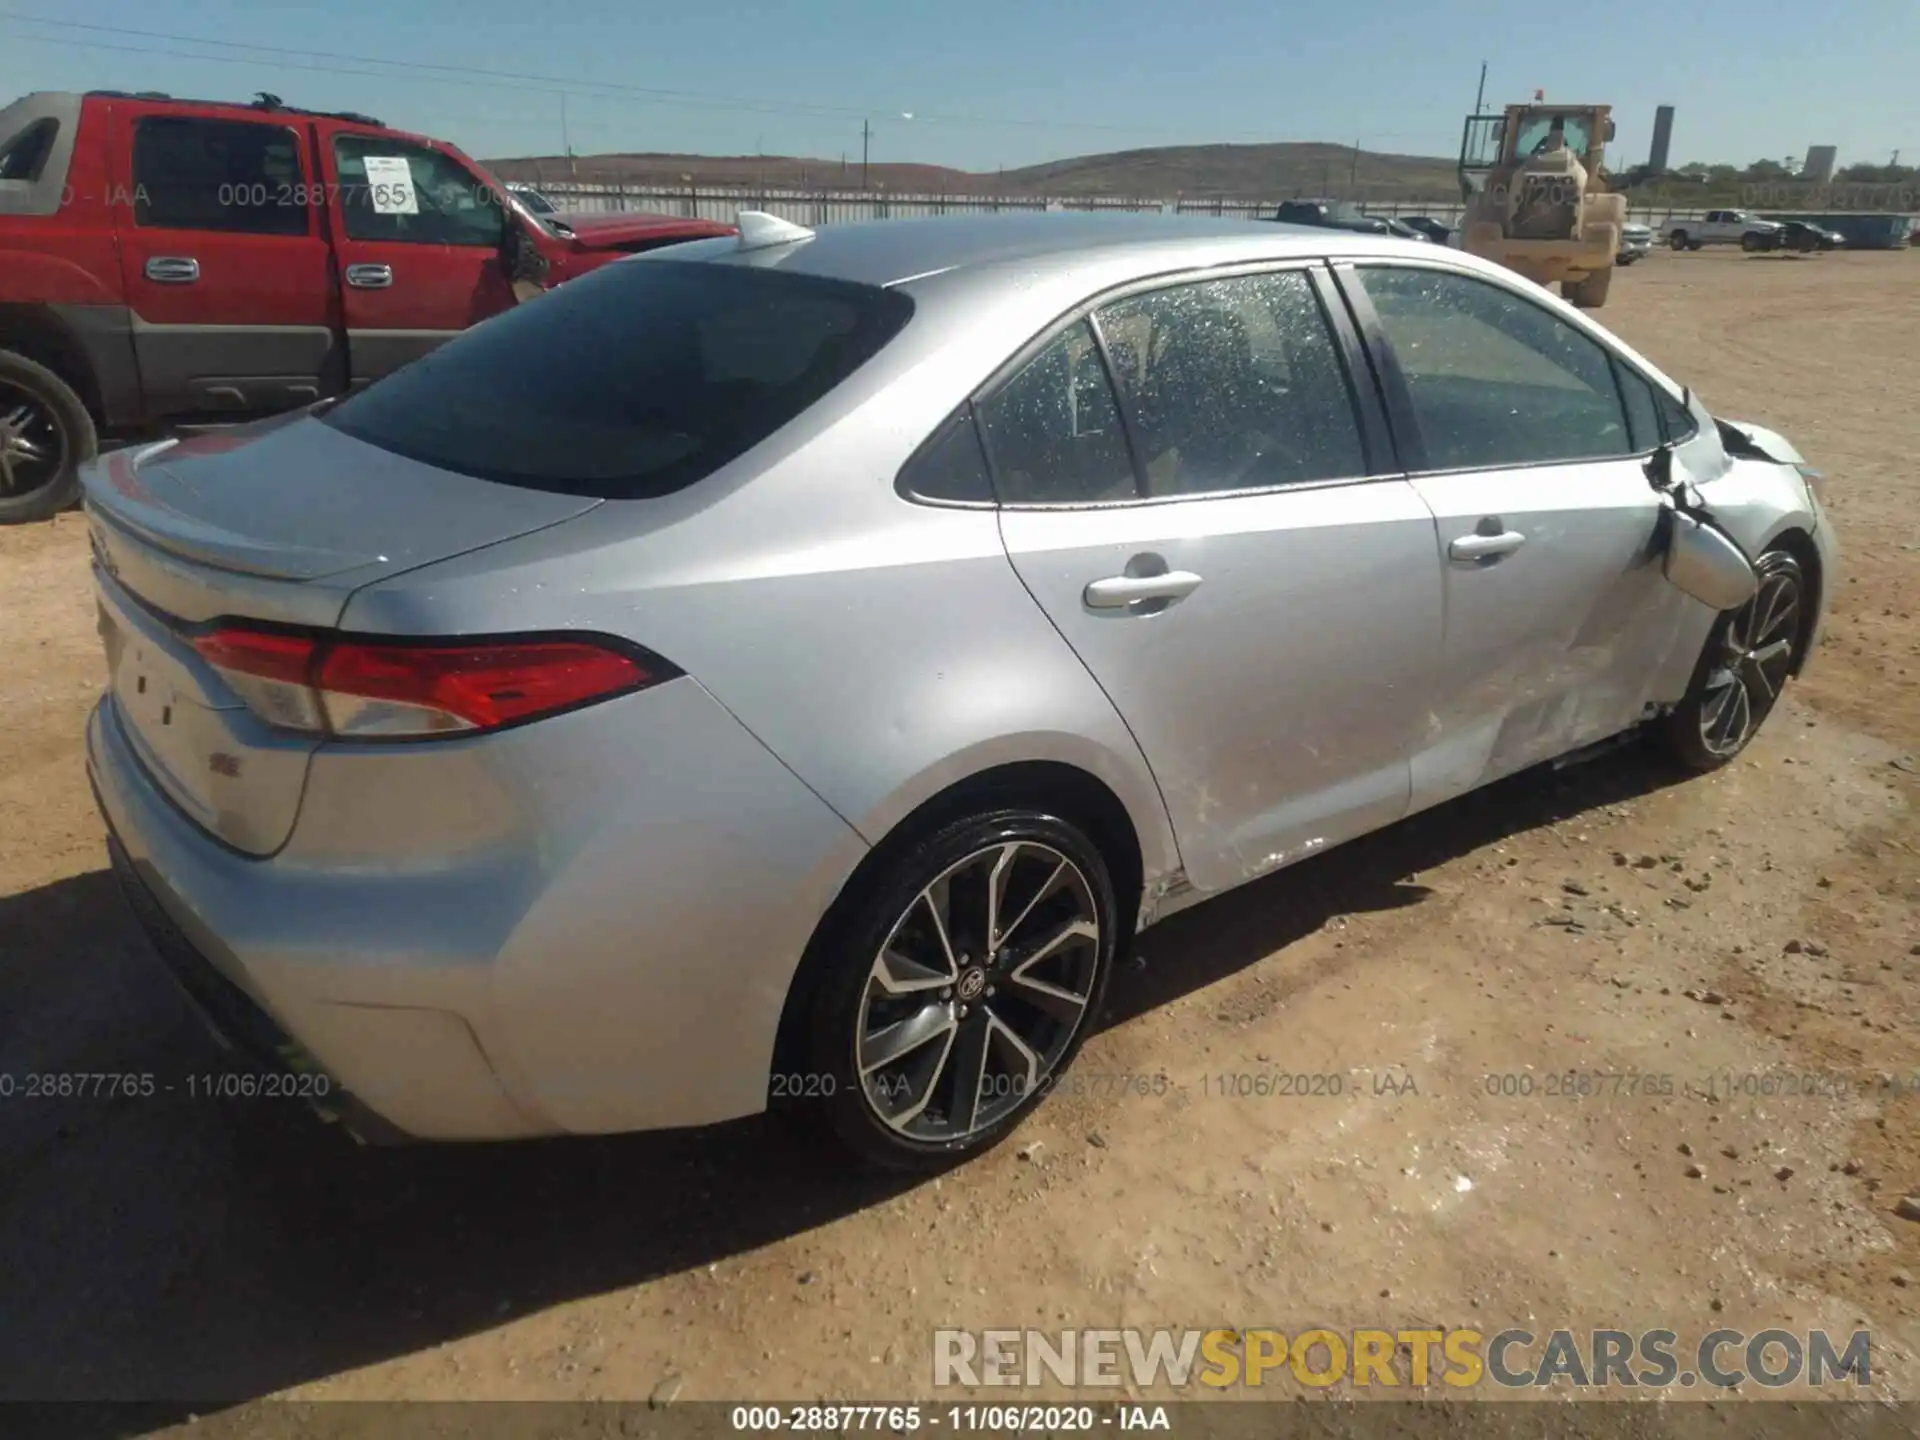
[(169, 260)]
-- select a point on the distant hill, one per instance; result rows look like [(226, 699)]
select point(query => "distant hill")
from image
[(1273, 171)]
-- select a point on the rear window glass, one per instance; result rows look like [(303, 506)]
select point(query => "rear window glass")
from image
[(636, 380)]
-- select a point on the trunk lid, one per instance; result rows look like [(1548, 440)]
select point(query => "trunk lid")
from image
[(281, 522)]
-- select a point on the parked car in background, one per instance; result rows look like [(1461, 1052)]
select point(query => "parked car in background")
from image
[(1330, 215), (1724, 227), (1438, 231), (171, 260), (789, 669), (1396, 226), (1805, 236), (1636, 241)]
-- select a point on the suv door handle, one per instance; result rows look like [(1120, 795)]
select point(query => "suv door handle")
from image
[(1485, 546), (1118, 590), (370, 277), (173, 269)]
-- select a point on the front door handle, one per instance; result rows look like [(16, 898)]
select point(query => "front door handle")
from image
[(1118, 590), (1483, 546), (370, 277), (173, 269)]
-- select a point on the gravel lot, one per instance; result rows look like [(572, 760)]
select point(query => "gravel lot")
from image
[(1605, 919)]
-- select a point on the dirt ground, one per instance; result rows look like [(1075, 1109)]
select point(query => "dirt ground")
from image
[(1608, 918)]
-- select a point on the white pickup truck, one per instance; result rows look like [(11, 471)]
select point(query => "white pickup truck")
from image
[(1724, 227)]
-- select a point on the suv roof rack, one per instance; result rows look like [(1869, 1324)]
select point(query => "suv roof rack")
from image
[(261, 101)]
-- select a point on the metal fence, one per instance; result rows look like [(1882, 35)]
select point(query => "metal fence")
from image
[(828, 207)]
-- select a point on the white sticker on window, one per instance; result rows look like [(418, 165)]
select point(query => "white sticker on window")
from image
[(390, 182)]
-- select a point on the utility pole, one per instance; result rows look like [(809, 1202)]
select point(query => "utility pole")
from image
[(1353, 171), (1480, 97), (866, 133), (566, 141)]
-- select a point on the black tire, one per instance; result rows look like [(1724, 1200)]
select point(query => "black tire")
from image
[(853, 1018), (1678, 240), (1751, 242), (1699, 732), (46, 435), (1590, 293)]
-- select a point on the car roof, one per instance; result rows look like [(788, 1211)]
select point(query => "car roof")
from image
[(894, 252)]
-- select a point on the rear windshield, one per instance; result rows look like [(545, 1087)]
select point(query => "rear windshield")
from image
[(633, 381)]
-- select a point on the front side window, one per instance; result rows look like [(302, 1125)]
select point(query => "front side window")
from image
[(1054, 430), (1233, 385), (636, 380), (1494, 379), (230, 175), (408, 193)]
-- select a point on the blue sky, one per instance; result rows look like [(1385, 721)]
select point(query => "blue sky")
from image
[(997, 82)]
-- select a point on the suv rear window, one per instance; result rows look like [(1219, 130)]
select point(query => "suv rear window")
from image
[(636, 380)]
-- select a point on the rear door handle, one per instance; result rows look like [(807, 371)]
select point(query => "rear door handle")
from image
[(1119, 590), (173, 269), (1486, 547), (370, 277)]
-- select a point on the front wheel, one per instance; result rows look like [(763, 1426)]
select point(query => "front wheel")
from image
[(960, 987), (1590, 293), (1748, 656), (46, 435)]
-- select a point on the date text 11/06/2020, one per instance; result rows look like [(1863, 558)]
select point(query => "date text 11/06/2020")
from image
[(906, 1418)]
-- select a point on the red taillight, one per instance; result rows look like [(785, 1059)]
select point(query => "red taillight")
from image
[(475, 687), (265, 654), (371, 690)]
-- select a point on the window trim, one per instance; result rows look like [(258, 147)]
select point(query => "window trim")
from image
[(1377, 446), (300, 155), (1406, 423)]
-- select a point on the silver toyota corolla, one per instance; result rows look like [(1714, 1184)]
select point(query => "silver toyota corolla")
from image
[(793, 666)]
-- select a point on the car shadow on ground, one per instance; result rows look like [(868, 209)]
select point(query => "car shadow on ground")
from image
[(203, 1252)]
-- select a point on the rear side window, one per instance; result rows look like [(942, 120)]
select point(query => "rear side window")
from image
[(1233, 385), (217, 175), (636, 380), (24, 156), (951, 466)]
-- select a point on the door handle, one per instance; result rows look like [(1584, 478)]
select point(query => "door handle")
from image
[(173, 269), (370, 277), (1482, 546), (1118, 590)]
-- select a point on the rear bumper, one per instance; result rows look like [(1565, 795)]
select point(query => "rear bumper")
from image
[(520, 935)]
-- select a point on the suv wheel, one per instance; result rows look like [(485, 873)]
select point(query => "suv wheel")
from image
[(1678, 240), (962, 984), (45, 437)]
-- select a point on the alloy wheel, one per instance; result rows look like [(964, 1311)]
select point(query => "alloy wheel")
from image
[(978, 992), (33, 447), (1756, 655)]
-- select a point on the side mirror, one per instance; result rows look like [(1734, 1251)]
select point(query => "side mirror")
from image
[(1706, 564), (1659, 469)]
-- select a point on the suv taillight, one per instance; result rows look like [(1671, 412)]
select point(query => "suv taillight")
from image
[(364, 689)]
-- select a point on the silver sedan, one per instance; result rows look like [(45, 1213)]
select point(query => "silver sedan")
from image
[(790, 669)]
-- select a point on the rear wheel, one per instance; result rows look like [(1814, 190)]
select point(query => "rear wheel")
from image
[(45, 436), (1748, 656), (960, 987), (1678, 240), (1590, 293)]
